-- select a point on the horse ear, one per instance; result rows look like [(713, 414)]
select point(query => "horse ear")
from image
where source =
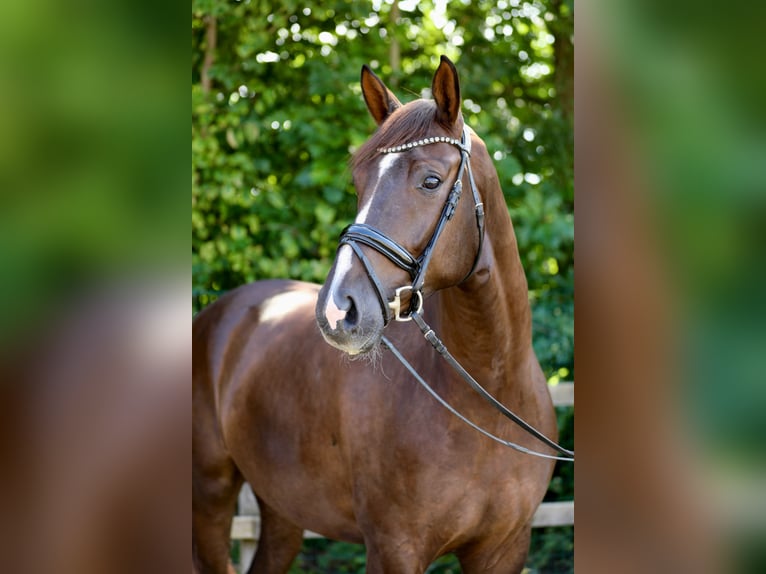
[(379, 99), (445, 90)]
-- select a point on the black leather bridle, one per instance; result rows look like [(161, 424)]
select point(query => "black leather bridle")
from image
[(361, 233)]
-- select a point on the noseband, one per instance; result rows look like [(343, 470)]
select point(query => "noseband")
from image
[(361, 233)]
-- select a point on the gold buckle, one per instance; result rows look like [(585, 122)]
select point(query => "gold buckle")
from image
[(396, 304)]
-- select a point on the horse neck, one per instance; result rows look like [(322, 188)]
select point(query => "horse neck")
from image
[(486, 321)]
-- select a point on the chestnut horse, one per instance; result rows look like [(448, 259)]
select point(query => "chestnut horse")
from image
[(354, 449)]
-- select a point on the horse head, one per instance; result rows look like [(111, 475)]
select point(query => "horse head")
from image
[(411, 236)]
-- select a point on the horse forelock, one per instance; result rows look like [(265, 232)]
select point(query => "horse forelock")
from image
[(413, 121)]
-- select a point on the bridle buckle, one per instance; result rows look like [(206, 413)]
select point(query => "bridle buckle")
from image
[(396, 304)]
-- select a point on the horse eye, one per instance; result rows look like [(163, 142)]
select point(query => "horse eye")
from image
[(431, 182)]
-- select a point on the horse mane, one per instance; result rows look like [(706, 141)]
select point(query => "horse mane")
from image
[(412, 121)]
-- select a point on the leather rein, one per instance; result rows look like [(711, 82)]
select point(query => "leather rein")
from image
[(361, 233)]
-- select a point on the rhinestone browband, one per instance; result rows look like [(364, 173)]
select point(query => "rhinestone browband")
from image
[(425, 141)]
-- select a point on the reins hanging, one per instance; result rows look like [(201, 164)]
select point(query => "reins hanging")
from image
[(431, 337)]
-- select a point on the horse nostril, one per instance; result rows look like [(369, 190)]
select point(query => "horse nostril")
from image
[(352, 315), (343, 316)]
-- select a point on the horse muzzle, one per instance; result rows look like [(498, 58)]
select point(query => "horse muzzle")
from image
[(349, 320)]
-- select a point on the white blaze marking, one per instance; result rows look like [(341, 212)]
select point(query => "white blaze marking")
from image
[(279, 306), (342, 266), (385, 165), (332, 313)]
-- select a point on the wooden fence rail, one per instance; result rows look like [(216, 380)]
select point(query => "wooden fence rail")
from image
[(246, 524)]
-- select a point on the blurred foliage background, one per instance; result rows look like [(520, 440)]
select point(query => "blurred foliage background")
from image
[(277, 112)]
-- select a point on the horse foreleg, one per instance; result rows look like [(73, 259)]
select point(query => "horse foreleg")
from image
[(279, 543), (215, 484)]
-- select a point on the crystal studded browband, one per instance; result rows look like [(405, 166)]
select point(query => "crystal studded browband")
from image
[(424, 141)]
